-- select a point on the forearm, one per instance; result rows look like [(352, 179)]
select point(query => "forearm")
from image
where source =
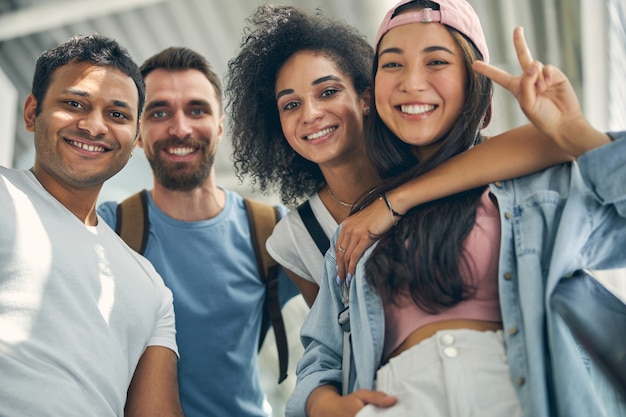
[(517, 152), (154, 388)]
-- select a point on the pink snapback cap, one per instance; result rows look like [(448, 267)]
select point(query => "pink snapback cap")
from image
[(458, 14)]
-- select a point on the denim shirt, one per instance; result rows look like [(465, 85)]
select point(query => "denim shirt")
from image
[(565, 218)]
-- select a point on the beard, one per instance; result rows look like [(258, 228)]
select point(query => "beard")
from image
[(181, 176)]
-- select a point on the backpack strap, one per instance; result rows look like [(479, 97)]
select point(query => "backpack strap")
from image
[(313, 226), (262, 219), (132, 223)]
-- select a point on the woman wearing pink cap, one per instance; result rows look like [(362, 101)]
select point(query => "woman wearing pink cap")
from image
[(449, 311)]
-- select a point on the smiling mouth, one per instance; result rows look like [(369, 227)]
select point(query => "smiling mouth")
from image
[(180, 151), (415, 109), (87, 147), (321, 133)]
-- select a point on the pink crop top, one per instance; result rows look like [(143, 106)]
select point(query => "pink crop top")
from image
[(483, 247)]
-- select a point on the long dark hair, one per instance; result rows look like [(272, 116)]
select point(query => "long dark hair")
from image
[(272, 35), (423, 255)]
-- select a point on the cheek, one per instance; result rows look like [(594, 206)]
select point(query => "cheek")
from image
[(453, 91), (126, 135), (382, 92), (287, 125)]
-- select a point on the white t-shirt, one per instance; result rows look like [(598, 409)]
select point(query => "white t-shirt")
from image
[(292, 246), (77, 308)]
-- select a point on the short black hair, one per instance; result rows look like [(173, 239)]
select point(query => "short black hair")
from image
[(96, 49), (180, 58)]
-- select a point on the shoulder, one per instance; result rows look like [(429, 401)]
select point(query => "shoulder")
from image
[(15, 176), (108, 212)]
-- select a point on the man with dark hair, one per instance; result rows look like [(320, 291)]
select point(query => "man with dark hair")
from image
[(200, 239), (87, 324)]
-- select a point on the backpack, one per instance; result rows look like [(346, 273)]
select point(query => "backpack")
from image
[(132, 225)]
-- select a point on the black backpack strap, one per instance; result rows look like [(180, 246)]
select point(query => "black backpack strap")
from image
[(314, 227), (262, 219), (132, 223)]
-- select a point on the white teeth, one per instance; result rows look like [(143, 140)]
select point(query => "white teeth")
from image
[(417, 108), (180, 151), (321, 133), (90, 148)]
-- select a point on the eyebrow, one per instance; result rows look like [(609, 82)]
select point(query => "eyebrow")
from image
[(83, 93), (315, 82), (165, 103), (426, 50), (326, 78), (155, 104)]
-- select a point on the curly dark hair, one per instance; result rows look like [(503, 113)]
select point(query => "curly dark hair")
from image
[(272, 35)]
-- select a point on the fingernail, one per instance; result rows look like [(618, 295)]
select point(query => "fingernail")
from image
[(338, 280), (348, 279)]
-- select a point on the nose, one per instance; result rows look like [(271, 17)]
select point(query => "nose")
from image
[(180, 126), (94, 124), (414, 79), (311, 111)]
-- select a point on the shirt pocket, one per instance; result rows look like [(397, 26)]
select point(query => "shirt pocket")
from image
[(536, 221)]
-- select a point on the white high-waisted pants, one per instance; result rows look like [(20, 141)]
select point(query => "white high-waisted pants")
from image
[(455, 373)]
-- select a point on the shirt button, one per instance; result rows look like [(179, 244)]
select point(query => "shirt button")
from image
[(507, 215), (447, 339), (520, 380), (513, 331), (498, 184), (508, 276), (451, 352)]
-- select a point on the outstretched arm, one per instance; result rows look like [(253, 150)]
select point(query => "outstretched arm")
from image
[(514, 153)]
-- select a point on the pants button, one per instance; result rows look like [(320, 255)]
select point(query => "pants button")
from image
[(447, 339), (451, 352)]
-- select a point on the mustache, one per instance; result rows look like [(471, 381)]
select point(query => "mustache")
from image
[(173, 142)]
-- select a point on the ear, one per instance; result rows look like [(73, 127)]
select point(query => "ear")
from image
[(30, 109), (138, 141), (220, 131), (366, 98)]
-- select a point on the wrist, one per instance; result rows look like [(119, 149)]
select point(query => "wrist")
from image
[(401, 200), (318, 398)]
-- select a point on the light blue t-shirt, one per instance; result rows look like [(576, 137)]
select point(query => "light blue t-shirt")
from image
[(211, 269)]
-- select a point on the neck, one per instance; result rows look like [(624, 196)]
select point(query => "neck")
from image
[(201, 203), (347, 184), (80, 201)]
